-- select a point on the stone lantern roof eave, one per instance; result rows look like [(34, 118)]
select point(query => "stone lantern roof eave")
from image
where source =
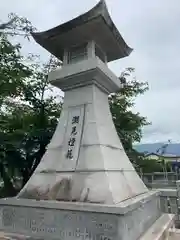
[(95, 24)]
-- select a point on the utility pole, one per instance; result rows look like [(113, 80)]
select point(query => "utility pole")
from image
[(161, 151)]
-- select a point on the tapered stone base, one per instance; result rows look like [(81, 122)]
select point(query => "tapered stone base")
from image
[(97, 169)]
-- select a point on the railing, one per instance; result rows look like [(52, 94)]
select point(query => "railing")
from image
[(169, 197), (170, 202)]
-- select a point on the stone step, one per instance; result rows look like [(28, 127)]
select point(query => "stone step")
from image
[(10, 236), (7, 236), (160, 229), (174, 234)]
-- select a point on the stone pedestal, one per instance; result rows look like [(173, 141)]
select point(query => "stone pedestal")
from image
[(129, 220)]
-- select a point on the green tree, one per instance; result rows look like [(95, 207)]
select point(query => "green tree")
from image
[(13, 73), (128, 124), (28, 110), (147, 165), (16, 25)]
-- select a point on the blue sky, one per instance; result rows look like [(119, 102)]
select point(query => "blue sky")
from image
[(151, 28)]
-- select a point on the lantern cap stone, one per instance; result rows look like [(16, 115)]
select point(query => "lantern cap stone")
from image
[(95, 25)]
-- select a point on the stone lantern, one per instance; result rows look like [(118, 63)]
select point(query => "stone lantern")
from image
[(85, 187), (85, 160)]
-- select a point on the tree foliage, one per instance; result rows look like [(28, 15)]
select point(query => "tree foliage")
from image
[(29, 112), (16, 26), (128, 124)]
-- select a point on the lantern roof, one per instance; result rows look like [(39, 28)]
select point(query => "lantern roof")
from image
[(95, 25)]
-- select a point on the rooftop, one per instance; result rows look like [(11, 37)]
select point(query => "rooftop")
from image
[(95, 24), (172, 148)]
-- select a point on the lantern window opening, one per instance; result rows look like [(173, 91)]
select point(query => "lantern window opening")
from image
[(77, 53), (100, 53)]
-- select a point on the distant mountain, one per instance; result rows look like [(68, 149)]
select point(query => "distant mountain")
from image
[(173, 148)]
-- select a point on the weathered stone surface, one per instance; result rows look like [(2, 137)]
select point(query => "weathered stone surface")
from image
[(53, 220), (174, 234), (99, 170), (160, 229)]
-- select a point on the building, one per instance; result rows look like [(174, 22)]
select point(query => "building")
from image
[(166, 157)]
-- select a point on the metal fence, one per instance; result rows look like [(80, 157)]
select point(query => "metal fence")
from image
[(158, 180)]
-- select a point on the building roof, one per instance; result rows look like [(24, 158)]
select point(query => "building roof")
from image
[(166, 155), (95, 25), (172, 148)]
